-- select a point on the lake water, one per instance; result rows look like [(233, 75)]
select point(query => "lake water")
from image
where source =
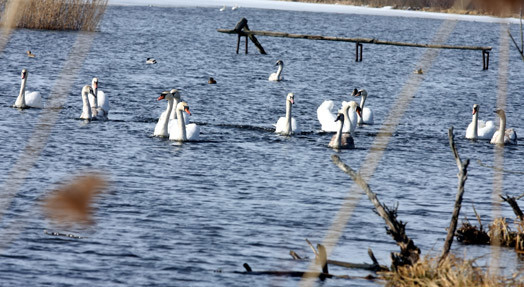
[(176, 213)]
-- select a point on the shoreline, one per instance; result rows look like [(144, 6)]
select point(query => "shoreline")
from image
[(314, 7)]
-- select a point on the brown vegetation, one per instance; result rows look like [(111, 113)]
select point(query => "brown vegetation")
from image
[(452, 271), (58, 14), (500, 8)]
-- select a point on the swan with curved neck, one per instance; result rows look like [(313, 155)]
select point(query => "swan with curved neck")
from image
[(99, 102), (479, 129), (327, 118), (341, 140), (503, 136), (161, 128), (278, 75), (27, 99), (367, 113), (287, 125), (177, 98), (86, 108), (183, 132)]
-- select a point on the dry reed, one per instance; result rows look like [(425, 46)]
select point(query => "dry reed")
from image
[(453, 271), (59, 14)]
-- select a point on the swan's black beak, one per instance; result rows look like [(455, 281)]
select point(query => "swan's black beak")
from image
[(187, 110), (474, 112), (355, 93), (292, 101), (340, 117), (162, 96)]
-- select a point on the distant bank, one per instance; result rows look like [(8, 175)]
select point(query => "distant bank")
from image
[(503, 8)]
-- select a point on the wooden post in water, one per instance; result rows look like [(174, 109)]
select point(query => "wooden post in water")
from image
[(246, 44), (238, 43), (358, 56), (485, 59)]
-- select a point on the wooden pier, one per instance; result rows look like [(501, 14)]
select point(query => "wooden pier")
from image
[(242, 30)]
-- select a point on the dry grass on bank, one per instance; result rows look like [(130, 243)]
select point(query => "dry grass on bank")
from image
[(59, 14), (453, 271), (504, 8)]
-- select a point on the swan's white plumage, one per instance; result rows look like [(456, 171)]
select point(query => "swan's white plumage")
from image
[(327, 118), (504, 136), (281, 125), (99, 102), (278, 75), (181, 131), (86, 107), (367, 113), (34, 100), (25, 98), (485, 130)]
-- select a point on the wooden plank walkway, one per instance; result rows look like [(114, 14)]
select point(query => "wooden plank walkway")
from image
[(242, 30)]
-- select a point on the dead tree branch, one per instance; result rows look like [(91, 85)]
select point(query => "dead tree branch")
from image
[(409, 252), (514, 205), (462, 177)]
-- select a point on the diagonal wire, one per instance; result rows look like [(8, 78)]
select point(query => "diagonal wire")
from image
[(47, 119), (498, 150), (379, 145)]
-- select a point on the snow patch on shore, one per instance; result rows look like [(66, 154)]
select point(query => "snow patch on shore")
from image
[(311, 7)]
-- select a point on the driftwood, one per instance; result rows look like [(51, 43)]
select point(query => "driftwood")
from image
[(514, 205), (322, 276), (409, 252), (462, 177)]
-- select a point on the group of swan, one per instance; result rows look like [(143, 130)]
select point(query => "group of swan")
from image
[(479, 129), (169, 123), (95, 103)]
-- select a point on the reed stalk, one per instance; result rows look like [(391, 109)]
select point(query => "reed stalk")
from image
[(78, 15)]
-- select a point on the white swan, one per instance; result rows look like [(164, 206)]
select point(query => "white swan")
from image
[(150, 61), (223, 8), (99, 102), (161, 128), (86, 108), (327, 118), (27, 99), (287, 125), (367, 113), (341, 140), (181, 131), (278, 75), (234, 8), (479, 129), (173, 116), (503, 136)]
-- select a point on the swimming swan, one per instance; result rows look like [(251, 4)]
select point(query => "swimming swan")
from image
[(27, 99), (327, 118), (367, 113), (341, 140), (99, 102), (503, 136), (161, 128), (86, 108), (479, 129), (287, 125), (181, 131), (150, 61), (278, 75)]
